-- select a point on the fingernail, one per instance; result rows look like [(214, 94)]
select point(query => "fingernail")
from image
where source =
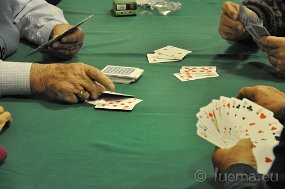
[(111, 86), (240, 28)]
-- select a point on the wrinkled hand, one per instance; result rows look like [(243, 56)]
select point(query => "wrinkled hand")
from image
[(5, 117), (275, 48), (64, 82), (69, 45), (266, 96), (240, 153), (230, 28)]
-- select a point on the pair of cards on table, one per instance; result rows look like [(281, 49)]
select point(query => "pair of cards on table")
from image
[(115, 101), (167, 54), (121, 74), (189, 73), (253, 25), (225, 121)]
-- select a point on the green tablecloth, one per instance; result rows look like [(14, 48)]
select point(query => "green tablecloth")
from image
[(155, 146)]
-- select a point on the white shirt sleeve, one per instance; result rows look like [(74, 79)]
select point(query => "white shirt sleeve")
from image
[(14, 78), (35, 19)]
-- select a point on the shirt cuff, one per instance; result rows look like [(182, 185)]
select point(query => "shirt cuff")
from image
[(14, 78)]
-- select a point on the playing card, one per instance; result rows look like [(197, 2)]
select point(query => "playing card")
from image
[(155, 58), (117, 103), (260, 30), (178, 75), (245, 18), (252, 32), (264, 156), (188, 73), (121, 74), (116, 94), (226, 121), (173, 52)]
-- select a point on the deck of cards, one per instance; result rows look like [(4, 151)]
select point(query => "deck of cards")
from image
[(167, 54), (120, 74), (189, 73), (225, 121), (115, 101), (252, 24)]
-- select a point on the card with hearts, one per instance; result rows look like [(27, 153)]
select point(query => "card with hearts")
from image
[(225, 121)]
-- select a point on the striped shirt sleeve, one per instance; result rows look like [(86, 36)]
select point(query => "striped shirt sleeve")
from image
[(14, 78)]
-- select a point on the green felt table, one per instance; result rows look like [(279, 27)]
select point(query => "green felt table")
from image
[(155, 146)]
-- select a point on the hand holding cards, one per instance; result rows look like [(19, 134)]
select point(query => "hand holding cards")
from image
[(225, 121), (59, 37), (120, 74)]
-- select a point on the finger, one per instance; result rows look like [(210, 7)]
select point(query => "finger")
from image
[(246, 92), (75, 36), (100, 87), (65, 92), (63, 54), (69, 98), (82, 95), (96, 75), (232, 24), (58, 45), (91, 87), (274, 61), (269, 41), (231, 9), (4, 117), (1, 109)]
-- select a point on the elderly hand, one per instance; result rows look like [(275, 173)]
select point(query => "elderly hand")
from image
[(266, 96), (5, 117), (65, 82), (69, 45), (275, 48), (230, 28), (240, 153)]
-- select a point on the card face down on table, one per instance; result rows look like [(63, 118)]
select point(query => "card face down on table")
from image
[(121, 74)]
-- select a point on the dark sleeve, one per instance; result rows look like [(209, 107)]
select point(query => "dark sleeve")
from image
[(242, 176), (272, 12)]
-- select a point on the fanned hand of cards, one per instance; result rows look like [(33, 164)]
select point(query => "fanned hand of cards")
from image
[(252, 24), (120, 74), (225, 121), (189, 73), (115, 101), (167, 54)]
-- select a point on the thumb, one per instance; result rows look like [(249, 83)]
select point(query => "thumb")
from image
[(245, 143), (231, 9)]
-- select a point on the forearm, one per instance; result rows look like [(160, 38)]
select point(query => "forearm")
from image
[(271, 12), (14, 78), (36, 19)]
